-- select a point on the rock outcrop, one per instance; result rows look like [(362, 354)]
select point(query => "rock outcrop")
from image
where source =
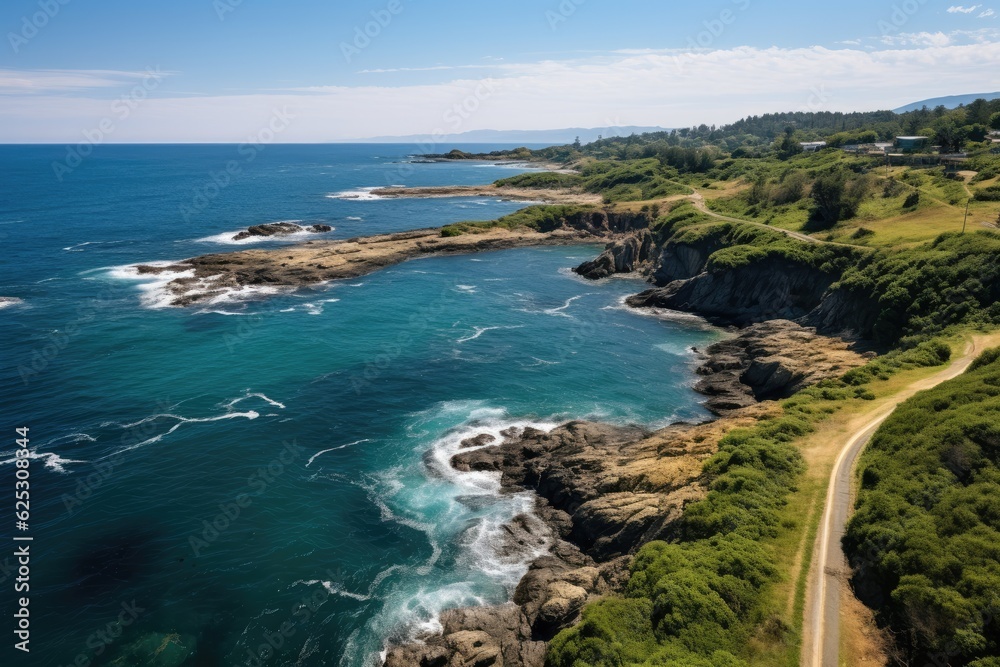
[(771, 360), (604, 491), (623, 256), (280, 229)]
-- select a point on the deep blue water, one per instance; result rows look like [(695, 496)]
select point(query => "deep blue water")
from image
[(313, 429)]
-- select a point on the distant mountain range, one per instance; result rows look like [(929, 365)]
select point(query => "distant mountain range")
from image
[(950, 102), (554, 137)]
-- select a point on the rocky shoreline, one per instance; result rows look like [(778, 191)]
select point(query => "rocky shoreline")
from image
[(603, 491), (202, 279)]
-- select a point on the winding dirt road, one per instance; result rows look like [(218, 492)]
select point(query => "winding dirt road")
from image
[(829, 571)]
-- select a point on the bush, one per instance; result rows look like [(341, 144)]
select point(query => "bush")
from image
[(991, 193), (912, 200)]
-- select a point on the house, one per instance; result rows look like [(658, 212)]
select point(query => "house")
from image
[(812, 146), (912, 144)]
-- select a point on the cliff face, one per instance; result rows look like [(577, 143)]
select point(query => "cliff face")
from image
[(605, 222), (771, 288), (768, 290), (627, 255)]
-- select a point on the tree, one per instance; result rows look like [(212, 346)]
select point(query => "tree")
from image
[(577, 144), (995, 121), (787, 146)]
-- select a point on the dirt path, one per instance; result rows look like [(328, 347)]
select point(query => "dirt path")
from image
[(699, 203), (829, 572)]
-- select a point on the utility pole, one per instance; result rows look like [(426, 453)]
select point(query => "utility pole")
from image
[(967, 202)]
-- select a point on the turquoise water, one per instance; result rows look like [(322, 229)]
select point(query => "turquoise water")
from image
[(267, 480)]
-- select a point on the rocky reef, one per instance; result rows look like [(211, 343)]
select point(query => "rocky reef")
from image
[(279, 229)]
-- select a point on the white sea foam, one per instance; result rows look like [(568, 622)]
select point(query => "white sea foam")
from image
[(561, 310), (228, 238), (180, 421), (479, 331), (52, 460), (10, 302), (256, 394), (357, 194), (79, 246), (354, 218), (334, 449)]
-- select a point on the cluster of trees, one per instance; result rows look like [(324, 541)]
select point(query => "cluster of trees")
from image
[(780, 133), (631, 180), (925, 540), (837, 196), (921, 291)]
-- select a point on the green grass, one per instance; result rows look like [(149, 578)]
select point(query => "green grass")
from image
[(536, 218)]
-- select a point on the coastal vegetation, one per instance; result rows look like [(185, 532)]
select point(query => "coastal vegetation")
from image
[(924, 538), (704, 600)]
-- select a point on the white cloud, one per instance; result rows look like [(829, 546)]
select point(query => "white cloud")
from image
[(917, 39), (67, 80), (959, 9), (663, 88), (989, 13)]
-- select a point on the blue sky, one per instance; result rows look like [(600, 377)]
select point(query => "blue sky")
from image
[(225, 67)]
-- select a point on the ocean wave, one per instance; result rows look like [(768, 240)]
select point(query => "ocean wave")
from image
[(227, 238), (74, 248), (10, 302), (53, 461), (311, 308), (357, 194), (662, 314)]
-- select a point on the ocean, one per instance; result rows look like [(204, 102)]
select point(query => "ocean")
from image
[(264, 480)]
